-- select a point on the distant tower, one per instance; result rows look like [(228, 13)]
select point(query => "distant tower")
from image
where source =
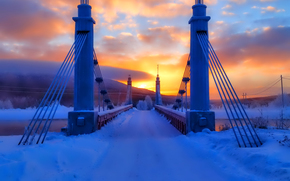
[(81, 120), (199, 116), (158, 100), (129, 92)]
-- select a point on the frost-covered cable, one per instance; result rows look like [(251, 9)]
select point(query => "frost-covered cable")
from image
[(56, 101), (60, 83), (63, 87), (46, 97), (215, 77), (222, 69), (218, 64), (213, 72), (228, 91)]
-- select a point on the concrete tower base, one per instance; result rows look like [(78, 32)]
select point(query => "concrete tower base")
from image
[(82, 122), (196, 121)]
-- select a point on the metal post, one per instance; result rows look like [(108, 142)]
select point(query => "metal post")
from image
[(181, 102), (99, 96), (282, 91), (158, 100), (103, 102), (199, 73), (119, 99), (199, 116), (185, 96), (129, 91), (84, 1), (198, 1), (82, 119)]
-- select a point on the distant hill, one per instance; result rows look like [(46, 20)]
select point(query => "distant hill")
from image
[(27, 90)]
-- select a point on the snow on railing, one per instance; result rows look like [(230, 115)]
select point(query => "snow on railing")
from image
[(177, 119), (107, 116)]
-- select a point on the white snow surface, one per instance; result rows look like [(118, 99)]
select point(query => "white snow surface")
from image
[(27, 114), (270, 112), (142, 145), (113, 110), (62, 113)]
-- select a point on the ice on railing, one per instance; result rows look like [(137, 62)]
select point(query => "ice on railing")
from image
[(113, 110)]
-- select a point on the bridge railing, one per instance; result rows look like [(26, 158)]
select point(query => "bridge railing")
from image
[(107, 116), (177, 119)]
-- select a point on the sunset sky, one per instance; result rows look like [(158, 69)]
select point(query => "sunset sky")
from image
[(251, 38)]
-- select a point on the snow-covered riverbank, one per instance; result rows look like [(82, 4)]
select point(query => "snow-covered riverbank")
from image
[(142, 145)]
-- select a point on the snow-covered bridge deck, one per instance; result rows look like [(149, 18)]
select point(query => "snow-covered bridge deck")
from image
[(142, 145)]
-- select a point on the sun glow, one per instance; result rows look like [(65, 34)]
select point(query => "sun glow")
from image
[(142, 86)]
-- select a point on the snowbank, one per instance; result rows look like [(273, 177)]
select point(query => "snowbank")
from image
[(270, 112), (270, 162), (142, 145), (265, 112), (27, 114)]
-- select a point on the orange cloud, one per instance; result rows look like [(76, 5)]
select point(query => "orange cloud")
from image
[(149, 8), (272, 9), (128, 22), (30, 23), (166, 37), (228, 13), (259, 53), (252, 60), (171, 68)]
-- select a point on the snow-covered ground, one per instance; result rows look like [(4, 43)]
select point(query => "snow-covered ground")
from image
[(62, 113), (27, 114), (270, 112), (142, 145)]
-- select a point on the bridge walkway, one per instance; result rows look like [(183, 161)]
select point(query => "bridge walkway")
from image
[(145, 146)]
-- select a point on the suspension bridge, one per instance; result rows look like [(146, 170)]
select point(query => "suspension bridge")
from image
[(82, 59)]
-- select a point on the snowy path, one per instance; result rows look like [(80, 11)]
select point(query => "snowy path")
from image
[(143, 146)]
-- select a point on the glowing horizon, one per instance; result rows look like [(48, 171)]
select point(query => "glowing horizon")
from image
[(251, 38)]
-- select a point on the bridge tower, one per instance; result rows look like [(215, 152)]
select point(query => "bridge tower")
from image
[(158, 100), (82, 119), (129, 92), (199, 116)]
